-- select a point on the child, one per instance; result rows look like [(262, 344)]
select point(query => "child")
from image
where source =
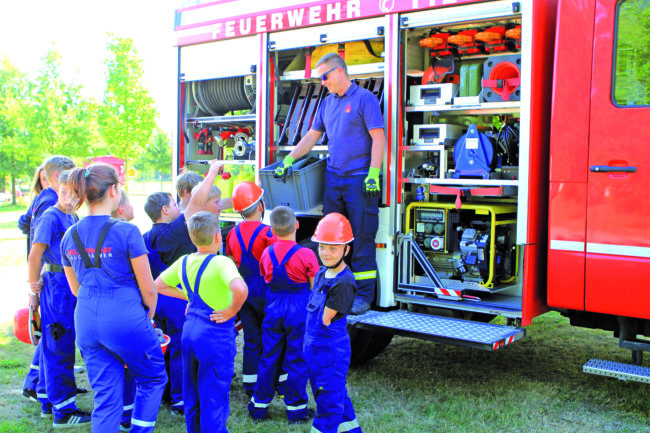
[(124, 212), (167, 241), (185, 182), (52, 167), (105, 262), (289, 270), (210, 282), (57, 309), (245, 244), (327, 344)]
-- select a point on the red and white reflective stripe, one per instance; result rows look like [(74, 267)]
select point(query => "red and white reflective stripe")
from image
[(501, 343), (449, 293)]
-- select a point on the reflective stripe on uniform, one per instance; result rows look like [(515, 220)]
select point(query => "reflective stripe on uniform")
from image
[(129, 407), (367, 275), (348, 425), (283, 377), (65, 403), (41, 395), (249, 378), (301, 407), (260, 405), (33, 367), (141, 423), (314, 430), (180, 403)]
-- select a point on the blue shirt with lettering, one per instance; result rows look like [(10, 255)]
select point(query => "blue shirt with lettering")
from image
[(51, 228), (347, 120)]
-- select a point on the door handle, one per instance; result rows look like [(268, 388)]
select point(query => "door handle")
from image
[(611, 169)]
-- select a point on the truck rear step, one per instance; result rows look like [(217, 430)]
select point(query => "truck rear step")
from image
[(484, 336), (618, 370)]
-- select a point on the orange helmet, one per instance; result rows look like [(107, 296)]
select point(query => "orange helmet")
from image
[(27, 326), (246, 195), (333, 229)]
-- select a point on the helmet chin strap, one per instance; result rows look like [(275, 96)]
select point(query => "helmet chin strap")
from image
[(345, 252)]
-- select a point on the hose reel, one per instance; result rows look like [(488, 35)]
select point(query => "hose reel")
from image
[(220, 96)]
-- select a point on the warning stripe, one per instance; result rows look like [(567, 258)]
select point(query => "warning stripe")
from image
[(501, 343), (449, 293)]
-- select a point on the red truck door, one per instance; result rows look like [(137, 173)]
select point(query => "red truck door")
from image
[(617, 277)]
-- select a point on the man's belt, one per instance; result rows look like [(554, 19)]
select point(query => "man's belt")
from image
[(53, 268)]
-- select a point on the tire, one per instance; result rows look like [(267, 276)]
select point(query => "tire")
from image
[(367, 344)]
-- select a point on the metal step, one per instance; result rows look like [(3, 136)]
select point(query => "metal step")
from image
[(618, 370), (484, 336)]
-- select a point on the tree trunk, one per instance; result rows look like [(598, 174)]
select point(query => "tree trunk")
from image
[(13, 189)]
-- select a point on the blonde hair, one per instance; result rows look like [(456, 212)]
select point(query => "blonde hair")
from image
[(203, 226), (56, 163), (37, 186), (187, 181)]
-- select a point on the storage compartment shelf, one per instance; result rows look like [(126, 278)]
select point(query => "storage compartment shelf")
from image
[(229, 120), (222, 161), (506, 107), (463, 182), (290, 148), (356, 71)]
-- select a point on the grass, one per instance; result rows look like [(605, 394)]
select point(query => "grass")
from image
[(533, 385)]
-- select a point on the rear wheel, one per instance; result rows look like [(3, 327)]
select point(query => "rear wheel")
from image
[(367, 344)]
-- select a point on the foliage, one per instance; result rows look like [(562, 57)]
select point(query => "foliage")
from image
[(157, 156), (61, 121), (127, 116), (632, 78), (17, 155)]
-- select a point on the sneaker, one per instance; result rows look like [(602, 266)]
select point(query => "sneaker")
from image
[(82, 391), (125, 426), (178, 411), (46, 413), (257, 420), (78, 369), (72, 419), (360, 307), (304, 420), (30, 394)]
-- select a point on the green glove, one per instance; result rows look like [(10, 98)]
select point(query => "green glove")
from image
[(284, 169), (371, 184)]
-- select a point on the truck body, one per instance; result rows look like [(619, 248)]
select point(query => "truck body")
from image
[(514, 169)]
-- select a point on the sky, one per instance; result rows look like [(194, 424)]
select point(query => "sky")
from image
[(78, 31)]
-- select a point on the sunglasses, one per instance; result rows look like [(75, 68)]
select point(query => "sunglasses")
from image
[(324, 76)]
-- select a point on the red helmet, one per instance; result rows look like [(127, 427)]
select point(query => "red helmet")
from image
[(27, 326), (334, 229), (246, 195)]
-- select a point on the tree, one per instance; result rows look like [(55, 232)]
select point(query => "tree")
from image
[(157, 156), (18, 156), (127, 116), (61, 121)]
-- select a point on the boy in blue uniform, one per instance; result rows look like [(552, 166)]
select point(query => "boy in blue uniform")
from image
[(327, 344), (47, 198), (245, 244), (216, 292), (167, 241), (289, 271), (57, 309)]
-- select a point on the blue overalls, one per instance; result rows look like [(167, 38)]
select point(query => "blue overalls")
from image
[(208, 361), (170, 316), (113, 329), (345, 195), (283, 332), (252, 312), (327, 353)]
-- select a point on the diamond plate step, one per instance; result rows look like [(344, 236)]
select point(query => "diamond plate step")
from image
[(441, 329), (618, 370)]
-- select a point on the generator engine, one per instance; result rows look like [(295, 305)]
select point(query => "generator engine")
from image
[(473, 262)]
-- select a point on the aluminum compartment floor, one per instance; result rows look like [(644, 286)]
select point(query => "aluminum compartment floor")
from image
[(442, 329), (618, 370)]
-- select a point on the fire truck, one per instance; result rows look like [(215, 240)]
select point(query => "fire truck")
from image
[(514, 170)]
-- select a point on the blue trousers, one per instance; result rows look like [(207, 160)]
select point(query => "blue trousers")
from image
[(252, 316), (208, 366), (283, 332), (32, 375), (58, 343), (112, 330), (128, 396), (345, 195), (329, 361), (170, 316)]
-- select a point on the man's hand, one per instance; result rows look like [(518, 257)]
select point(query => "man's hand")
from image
[(371, 183), (284, 169)]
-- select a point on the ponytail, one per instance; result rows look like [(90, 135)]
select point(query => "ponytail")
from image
[(91, 183)]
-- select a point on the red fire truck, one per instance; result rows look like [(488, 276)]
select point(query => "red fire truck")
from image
[(514, 170)]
